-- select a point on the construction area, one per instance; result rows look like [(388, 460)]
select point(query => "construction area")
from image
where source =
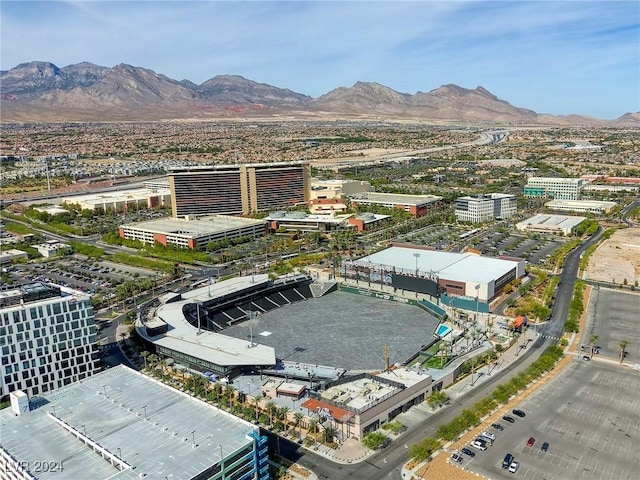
[(617, 260)]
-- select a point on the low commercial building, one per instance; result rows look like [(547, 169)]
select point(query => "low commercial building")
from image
[(120, 424), (356, 405), (581, 206), (47, 337), (53, 248), (416, 205), (327, 205), (304, 222), (324, 189), (122, 200), (11, 255), (555, 224), (193, 232), (484, 208)]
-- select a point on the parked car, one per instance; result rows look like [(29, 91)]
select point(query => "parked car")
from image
[(497, 426), (468, 451), (519, 413), (489, 435), (456, 457), (586, 357), (508, 458), (513, 468), (479, 446), (509, 419), (531, 441), (545, 446)]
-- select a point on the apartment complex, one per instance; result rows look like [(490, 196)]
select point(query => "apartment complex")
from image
[(483, 208), (122, 425), (238, 189), (47, 337), (556, 188)]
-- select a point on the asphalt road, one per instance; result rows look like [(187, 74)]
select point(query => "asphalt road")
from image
[(387, 463)]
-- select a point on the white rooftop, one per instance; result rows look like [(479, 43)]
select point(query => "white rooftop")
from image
[(194, 227), (156, 430), (559, 222), (395, 198), (464, 267)]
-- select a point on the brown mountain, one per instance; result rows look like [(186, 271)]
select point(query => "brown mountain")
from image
[(42, 92)]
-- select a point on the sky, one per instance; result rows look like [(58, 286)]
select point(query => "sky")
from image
[(558, 57)]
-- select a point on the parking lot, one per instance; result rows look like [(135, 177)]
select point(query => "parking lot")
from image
[(588, 415), (613, 317), (534, 248)]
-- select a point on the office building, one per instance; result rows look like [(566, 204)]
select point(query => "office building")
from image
[(122, 425), (416, 205), (337, 188), (483, 208), (47, 338), (556, 188), (238, 189)]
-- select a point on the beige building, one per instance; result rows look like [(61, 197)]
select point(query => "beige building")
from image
[(321, 189), (121, 201)]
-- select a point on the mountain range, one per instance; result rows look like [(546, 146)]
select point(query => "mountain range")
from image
[(43, 92)]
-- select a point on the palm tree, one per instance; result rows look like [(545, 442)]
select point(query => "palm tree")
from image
[(271, 410), (282, 416), (593, 339), (144, 355), (623, 345), (297, 418), (313, 426)]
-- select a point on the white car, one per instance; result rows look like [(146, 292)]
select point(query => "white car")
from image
[(489, 435), (514, 466), (479, 446)]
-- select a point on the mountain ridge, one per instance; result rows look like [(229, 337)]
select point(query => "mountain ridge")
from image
[(39, 91)]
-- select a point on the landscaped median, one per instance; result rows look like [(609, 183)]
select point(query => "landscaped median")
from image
[(425, 459)]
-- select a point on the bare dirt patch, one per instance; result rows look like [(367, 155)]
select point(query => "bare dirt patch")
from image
[(617, 258)]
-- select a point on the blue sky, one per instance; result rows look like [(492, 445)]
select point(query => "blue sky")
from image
[(556, 57)]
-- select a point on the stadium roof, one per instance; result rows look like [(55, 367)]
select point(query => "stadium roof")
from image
[(214, 347), (463, 267), (158, 431)]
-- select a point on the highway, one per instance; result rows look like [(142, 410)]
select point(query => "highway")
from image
[(387, 463)]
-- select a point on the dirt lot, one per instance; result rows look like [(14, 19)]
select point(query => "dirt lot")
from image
[(617, 259)]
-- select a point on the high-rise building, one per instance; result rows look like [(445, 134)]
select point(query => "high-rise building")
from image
[(556, 188), (483, 208), (47, 338), (238, 189)]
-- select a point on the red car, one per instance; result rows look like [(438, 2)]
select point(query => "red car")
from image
[(531, 441)]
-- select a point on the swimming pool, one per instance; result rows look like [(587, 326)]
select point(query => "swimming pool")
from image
[(442, 330)]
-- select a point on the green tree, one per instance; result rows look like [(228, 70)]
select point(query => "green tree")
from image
[(374, 440)]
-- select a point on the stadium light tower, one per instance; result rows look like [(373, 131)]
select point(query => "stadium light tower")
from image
[(417, 255)]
